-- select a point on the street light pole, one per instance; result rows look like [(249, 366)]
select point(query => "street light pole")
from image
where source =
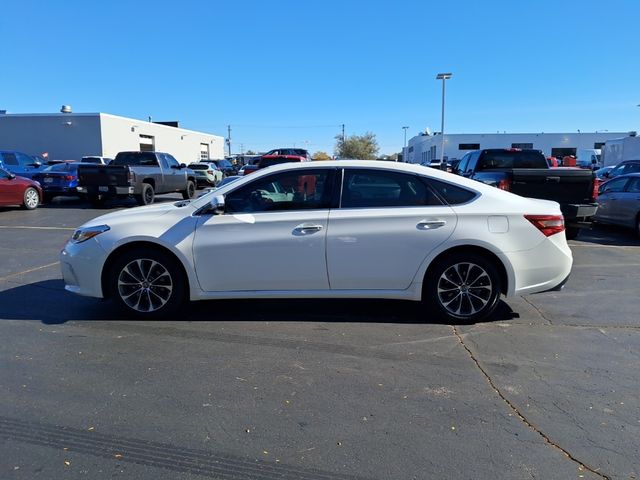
[(404, 150), (444, 77)]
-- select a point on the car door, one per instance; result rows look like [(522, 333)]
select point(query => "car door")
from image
[(386, 225), (271, 236), (608, 200), (628, 203), (175, 177), (11, 164), (11, 191), (28, 164)]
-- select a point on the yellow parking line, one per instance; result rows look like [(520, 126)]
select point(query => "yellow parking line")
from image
[(29, 271), (34, 228)]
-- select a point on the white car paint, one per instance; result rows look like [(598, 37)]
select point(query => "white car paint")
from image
[(353, 253)]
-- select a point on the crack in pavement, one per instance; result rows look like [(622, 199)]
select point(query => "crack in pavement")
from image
[(535, 307), (522, 418)]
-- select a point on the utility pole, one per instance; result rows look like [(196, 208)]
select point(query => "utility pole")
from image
[(444, 77), (343, 139), (229, 138), (404, 150)]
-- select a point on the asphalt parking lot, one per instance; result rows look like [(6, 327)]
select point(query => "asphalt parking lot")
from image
[(547, 389)]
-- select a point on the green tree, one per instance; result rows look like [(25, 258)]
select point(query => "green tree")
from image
[(250, 152), (361, 147), (321, 156)]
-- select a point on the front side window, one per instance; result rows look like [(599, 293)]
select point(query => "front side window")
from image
[(363, 188), (171, 161), (614, 186), (634, 185), (293, 190)]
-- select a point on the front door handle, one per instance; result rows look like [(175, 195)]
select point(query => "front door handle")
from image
[(430, 224), (307, 228)]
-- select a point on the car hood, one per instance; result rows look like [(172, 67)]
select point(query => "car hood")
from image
[(140, 214)]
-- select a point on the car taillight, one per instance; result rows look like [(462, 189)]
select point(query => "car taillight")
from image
[(596, 188), (504, 184), (68, 177), (547, 224), (132, 177), (210, 172)]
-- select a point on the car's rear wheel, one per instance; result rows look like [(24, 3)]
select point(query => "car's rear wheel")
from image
[(190, 191), (147, 283), (31, 198), (572, 233), (462, 288), (147, 195)]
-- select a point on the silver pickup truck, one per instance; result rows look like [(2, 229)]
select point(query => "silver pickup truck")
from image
[(138, 174)]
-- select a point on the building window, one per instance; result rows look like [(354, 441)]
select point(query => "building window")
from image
[(468, 146), (522, 146), (598, 145), (433, 154), (147, 143), (410, 149), (204, 151), (562, 152)]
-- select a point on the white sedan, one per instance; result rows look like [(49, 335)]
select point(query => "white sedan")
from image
[(335, 229)]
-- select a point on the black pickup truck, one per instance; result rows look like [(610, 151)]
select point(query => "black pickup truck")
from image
[(138, 174), (527, 173)]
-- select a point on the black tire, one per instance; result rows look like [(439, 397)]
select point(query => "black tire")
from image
[(147, 283), (572, 233), (462, 288), (638, 225), (147, 195), (30, 199), (190, 191), (47, 198)]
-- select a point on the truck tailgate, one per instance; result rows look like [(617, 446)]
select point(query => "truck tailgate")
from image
[(560, 185), (90, 175)]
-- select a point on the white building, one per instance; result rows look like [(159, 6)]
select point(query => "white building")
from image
[(427, 148), (70, 136)]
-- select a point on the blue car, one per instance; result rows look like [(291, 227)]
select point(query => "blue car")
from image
[(19, 163), (59, 180)]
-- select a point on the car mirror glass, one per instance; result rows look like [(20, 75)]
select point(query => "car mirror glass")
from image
[(216, 206)]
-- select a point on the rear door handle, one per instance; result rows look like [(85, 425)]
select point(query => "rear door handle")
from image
[(307, 228), (430, 224)]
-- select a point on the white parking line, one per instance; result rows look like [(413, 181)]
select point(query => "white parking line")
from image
[(9, 227), (35, 269)]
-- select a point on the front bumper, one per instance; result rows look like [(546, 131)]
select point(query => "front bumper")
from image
[(81, 265)]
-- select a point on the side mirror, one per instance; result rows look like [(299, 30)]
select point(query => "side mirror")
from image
[(183, 165), (216, 206), (35, 165), (11, 176)]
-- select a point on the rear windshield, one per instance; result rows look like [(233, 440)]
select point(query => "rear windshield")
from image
[(491, 159), (135, 158), (199, 166), (224, 163), (267, 162), (62, 167)]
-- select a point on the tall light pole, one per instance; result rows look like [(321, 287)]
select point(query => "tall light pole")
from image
[(444, 77), (404, 150)]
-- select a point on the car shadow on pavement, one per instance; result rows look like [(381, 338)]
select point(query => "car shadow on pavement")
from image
[(47, 301), (75, 202), (609, 235)]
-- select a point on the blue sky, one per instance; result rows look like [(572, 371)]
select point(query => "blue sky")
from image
[(291, 72)]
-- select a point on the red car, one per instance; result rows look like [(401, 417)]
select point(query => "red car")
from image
[(283, 155), (19, 191)]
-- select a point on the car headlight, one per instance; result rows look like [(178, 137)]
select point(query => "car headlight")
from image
[(84, 234)]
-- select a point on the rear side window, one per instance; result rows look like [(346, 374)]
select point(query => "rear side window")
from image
[(451, 194), (136, 158), (363, 188), (10, 159), (491, 159)]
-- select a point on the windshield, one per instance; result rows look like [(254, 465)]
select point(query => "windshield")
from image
[(136, 158)]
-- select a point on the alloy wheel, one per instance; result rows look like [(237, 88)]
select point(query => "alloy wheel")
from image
[(145, 285), (464, 289), (31, 198)]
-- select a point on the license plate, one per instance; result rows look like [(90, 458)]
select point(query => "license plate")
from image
[(48, 180), (103, 189)]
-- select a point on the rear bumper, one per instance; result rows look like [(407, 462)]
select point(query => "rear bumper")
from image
[(110, 191), (578, 215)]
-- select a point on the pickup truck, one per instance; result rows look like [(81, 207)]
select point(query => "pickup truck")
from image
[(527, 173), (138, 174)]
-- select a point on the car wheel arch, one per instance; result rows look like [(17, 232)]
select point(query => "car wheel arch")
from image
[(476, 250), (126, 247)]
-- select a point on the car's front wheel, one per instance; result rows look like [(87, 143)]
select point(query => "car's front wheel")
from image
[(147, 283), (462, 288)]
